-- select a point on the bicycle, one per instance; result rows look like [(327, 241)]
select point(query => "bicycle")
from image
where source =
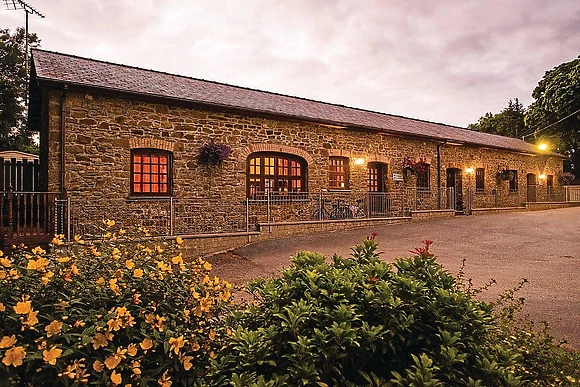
[(321, 212), (340, 210), (358, 210)]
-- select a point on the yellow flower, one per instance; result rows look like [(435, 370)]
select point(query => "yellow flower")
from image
[(212, 335), (74, 269), (146, 344), (100, 281), (51, 356), (31, 318), (39, 264), (101, 340), (113, 285), (178, 259), (79, 240), (46, 277), (159, 249), (138, 273), (95, 252), (116, 254), (2, 307), (57, 240), (122, 231), (38, 251), (7, 342), (136, 369), (164, 381), (207, 266), (116, 378), (162, 265), (53, 328), (114, 324), (14, 356), (179, 240), (23, 307), (132, 350), (98, 366), (176, 344), (64, 259), (113, 361), (6, 262), (108, 222), (129, 264), (14, 274), (136, 298), (187, 362)]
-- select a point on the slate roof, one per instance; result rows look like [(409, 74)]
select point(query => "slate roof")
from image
[(73, 70)]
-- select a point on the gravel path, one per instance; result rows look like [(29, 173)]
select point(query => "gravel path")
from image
[(542, 246)]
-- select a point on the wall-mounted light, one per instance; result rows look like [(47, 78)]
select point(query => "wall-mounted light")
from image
[(359, 161), (543, 146), (469, 170), (542, 176)]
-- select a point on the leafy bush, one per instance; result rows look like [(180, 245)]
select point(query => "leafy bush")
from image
[(115, 312), (360, 321)]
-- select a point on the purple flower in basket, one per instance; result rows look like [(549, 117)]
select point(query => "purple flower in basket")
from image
[(213, 154)]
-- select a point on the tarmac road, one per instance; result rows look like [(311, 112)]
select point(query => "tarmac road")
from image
[(541, 246)]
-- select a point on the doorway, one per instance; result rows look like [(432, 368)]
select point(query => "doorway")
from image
[(454, 180), (531, 187), (379, 202)]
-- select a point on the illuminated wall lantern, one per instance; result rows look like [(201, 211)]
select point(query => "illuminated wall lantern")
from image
[(359, 161), (469, 170), (542, 176), (543, 146)]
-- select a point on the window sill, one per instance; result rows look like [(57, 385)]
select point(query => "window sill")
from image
[(148, 198), (338, 190)]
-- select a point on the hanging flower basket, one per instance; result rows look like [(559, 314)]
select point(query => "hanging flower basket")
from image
[(213, 155), (410, 167), (567, 178), (504, 175)]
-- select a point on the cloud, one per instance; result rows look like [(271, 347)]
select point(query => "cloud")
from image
[(446, 61)]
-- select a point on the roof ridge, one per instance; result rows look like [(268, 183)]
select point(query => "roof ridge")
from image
[(252, 89)]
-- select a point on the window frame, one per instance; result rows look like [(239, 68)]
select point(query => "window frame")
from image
[(296, 183), (336, 175), (423, 182), (550, 185), (479, 180), (513, 181), (150, 152)]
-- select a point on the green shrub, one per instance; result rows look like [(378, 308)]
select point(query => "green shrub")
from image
[(361, 321), (115, 312)]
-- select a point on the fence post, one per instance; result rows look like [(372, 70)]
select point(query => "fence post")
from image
[(248, 219), (368, 204), (268, 216), (171, 215), (468, 202), (10, 213)]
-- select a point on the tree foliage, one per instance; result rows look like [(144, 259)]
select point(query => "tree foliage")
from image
[(509, 122), (557, 97), (14, 133)]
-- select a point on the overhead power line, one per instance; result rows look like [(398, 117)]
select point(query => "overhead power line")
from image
[(552, 124)]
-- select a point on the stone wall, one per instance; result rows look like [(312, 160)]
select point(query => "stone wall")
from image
[(102, 129)]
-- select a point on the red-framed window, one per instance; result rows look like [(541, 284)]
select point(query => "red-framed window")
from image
[(424, 178), (151, 172), (276, 172), (338, 173)]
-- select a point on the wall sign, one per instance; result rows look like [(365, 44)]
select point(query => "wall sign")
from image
[(397, 177)]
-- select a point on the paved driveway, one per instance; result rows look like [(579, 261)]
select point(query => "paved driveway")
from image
[(542, 246)]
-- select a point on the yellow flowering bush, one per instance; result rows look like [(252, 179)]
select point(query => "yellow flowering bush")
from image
[(123, 310)]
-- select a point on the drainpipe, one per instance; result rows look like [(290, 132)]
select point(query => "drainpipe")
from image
[(62, 139), (439, 175)]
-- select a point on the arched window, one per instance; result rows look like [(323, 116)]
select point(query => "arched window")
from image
[(151, 172), (338, 173), (280, 173)]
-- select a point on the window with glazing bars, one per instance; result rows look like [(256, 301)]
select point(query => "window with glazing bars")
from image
[(338, 173), (150, 172), (479, 180), (272, 172)]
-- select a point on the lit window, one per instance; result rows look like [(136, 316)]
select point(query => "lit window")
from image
[(275, 172), (338, 173), (150, 172)]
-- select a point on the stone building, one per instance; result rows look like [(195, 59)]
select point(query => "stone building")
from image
[(127, 140)]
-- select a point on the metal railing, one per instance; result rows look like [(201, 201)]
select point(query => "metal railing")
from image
[(572, 193)]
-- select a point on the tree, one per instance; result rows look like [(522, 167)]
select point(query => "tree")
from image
[(555, 114), (509, 122), (14, 133)]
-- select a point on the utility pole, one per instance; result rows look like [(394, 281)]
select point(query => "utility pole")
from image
[(16, 5)]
